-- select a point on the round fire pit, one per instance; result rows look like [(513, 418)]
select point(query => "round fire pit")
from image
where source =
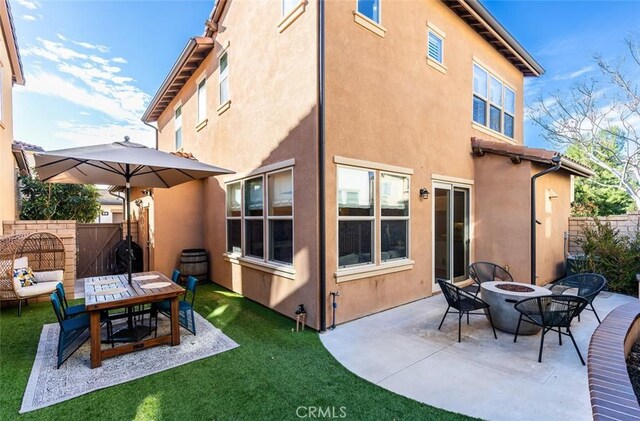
[(502, 296)]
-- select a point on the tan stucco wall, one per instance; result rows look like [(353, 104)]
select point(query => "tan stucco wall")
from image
[(553, 213), (502, 224), (7, 162), (386, 104), (272, 118)]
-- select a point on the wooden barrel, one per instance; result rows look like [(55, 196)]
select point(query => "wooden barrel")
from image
[(194, 262)]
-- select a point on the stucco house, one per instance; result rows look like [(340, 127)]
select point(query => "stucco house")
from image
[(378, 147), (10, 74)]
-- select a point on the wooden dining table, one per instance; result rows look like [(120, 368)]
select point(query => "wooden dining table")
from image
[(113, 291)]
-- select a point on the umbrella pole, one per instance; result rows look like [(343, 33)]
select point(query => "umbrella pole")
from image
[(128, 206)]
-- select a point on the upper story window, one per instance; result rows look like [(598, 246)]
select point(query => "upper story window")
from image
[(493, 102), (370, 9), (224, 78), (178, 127), (287, 6), (202, 100), (435, 47)]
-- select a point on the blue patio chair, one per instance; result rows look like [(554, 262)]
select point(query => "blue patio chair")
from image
[(67, 310), (176, 276), (185, 307), (70, 331)]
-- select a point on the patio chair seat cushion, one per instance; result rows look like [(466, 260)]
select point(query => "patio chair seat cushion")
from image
[(49, 276), (36, 290)]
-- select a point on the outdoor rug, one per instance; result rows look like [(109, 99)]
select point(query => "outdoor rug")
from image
[(48, 385)]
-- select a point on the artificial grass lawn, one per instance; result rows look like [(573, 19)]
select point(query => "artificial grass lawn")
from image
[(271, 374)]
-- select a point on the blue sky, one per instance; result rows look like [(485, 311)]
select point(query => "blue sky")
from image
[(91, 67)]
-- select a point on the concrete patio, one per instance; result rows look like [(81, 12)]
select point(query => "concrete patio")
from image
[(402, 350)]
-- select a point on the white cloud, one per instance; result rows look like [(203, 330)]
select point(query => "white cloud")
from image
[(31, 5), (89, 46), (574, 74), (29, 18), (84, 113), (83, 134), (119, 60)]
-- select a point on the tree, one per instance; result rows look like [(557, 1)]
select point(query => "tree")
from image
[(44, 201), (594, 196), (601, 118)]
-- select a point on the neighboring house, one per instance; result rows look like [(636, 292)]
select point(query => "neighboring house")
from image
[(24, 161), (10, 74), (350, 127), (111, 207)]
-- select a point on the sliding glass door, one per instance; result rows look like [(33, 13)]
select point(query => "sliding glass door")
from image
[(451, 238)]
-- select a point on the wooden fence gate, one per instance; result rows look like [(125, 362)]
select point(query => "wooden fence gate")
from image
[(96, 249)]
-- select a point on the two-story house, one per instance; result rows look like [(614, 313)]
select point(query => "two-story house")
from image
[(378, 146), (10, 74)]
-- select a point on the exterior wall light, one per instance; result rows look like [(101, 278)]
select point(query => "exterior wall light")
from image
[(424, 193)]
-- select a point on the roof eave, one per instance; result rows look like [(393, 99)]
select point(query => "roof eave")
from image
[(11, 42), (491, 24)]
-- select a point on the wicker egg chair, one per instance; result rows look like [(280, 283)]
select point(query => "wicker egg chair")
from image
[(44, 251)]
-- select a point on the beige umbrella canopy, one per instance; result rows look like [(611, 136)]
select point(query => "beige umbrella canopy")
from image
[(121, 164)]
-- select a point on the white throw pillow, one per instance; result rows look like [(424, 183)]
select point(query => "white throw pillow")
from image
[(49, 276)]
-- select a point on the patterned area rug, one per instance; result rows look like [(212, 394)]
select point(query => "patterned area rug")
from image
[(48, 385)]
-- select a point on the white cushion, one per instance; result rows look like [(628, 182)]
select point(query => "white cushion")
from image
[(49, 276), (36, 290), (21, 262)]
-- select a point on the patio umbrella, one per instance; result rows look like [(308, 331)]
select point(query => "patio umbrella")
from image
[(125, 164)]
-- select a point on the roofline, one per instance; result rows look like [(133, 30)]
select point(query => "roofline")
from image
[(173, 73), (491, 23), (11, 42)]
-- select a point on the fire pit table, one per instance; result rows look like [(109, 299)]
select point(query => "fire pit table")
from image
[(502, 296)]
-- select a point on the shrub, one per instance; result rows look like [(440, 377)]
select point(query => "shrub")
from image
[(611, 254)]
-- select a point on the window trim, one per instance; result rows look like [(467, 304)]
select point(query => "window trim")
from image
[(201, 115), (486, 128), (271, 266), (396, 218), (292, 15), (440, 34), (222, 78), (379, 21)]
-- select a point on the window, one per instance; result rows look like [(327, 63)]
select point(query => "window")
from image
[(493, 102), (287, 6), (356, 216), (247, 216), (357, 222), (178, 127), (394, 216), (234, 218), (435, 46), (370, 9), (224, 78), (280, 217), (202, 100)]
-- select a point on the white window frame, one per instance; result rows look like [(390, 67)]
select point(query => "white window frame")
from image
[(292, 5), (379, 21), (224, 77), (270, 218), (201, 90), (234, 218), (396, 218), (489, 103), (371, 218), (265, 218), (177, 123), (432, 32)]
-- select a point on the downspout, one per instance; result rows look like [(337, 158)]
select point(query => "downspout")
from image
[(155, 129), (321, 172), (557, 165)]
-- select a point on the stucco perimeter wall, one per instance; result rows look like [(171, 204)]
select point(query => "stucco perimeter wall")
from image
[(385, 104), (272, 118), (627, 225), (502, 230), (553, 201), (66, 230), (7, 172)]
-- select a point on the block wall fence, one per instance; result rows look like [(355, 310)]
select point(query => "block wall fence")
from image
[(627, 225)]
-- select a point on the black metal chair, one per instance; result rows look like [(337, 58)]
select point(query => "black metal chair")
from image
[(464, 303), (481, 272), (585, 285), (551, 312)]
